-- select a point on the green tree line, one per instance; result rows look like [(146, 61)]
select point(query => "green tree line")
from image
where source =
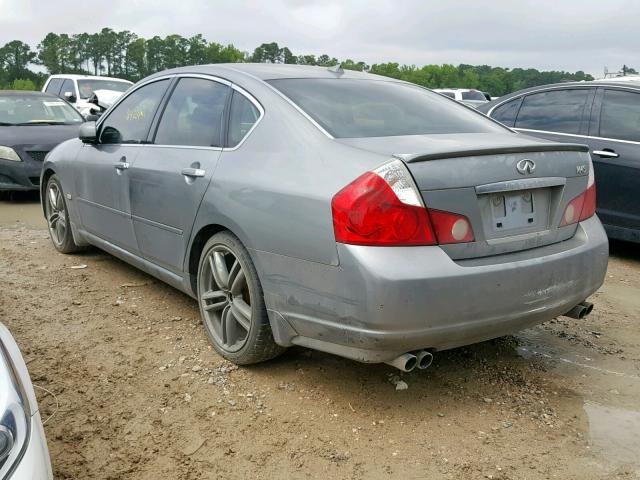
[(126, 55)]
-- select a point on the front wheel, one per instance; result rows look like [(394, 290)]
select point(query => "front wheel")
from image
[(232, 303), (55, 207)]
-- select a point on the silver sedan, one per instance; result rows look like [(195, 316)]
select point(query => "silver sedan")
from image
[(337, 210)]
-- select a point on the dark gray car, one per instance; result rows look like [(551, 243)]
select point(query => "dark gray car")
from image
[(31, 124), (336, 210), (605, 115)]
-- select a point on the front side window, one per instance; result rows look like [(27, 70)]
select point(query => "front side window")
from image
[(555, 111), (620, 117), (350, 108), (129, 122), (36, 110), (67, 86), (86, 88), (194, 114), (242, 117)]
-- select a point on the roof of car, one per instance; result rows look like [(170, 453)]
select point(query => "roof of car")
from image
[(74, 76), (273, 71)]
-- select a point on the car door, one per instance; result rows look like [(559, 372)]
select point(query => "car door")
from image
[(102, 177), (170, 176), (614, 140)]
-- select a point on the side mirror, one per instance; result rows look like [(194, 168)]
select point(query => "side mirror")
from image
[(88, 132), (69, 97), (92, 117)]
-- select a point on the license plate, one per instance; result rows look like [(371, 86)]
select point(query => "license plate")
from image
[(513, 210)]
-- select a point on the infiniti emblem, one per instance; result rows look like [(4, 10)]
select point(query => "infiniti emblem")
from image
[(526, 166)]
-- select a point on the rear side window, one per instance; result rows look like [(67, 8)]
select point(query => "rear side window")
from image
[(448, 94), (350, 108), (130, 120), (620, 117), (242, 117), (555, 111), (53, 87), (194, 114), (506, 113)]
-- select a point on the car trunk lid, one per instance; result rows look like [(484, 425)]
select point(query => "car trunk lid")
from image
[(512, 188)]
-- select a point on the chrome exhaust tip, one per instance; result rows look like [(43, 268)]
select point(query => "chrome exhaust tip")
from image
[(405, 362), (424, 359), (580, 311)]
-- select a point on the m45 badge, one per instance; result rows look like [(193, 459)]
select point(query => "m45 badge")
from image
[(582, 169)]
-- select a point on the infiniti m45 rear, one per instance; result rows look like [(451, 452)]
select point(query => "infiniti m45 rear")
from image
[(341, 211)]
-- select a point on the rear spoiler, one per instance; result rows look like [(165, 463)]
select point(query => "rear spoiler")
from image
[(475, 152)]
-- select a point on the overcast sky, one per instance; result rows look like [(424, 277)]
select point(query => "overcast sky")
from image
[(559, 34)]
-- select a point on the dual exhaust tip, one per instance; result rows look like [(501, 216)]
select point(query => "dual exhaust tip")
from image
[(422, 359), (580, 311), (407, 362)]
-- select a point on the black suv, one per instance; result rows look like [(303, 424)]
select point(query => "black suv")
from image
[(605, 115)]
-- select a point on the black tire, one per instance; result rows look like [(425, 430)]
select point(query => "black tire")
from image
[(57, 216), (228, 289)]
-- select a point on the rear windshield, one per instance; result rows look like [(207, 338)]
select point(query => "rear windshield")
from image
[(473, 95), (349, 108), (87, 87)]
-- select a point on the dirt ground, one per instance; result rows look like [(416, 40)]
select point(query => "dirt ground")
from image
[(143, 396)]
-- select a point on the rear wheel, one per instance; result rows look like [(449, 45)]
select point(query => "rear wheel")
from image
[(232, 304), (57, 215)]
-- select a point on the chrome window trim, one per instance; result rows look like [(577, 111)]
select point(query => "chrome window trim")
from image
[(288, 100), (545, 89), (213, 78), (256, 104), (576, 135)]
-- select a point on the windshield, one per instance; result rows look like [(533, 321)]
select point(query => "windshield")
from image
[(87, 87), (473, 95), (34, 109), (349, 108)]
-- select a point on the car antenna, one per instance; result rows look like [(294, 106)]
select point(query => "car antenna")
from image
[(337, 69)]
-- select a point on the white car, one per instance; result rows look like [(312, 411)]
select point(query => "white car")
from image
[(78, 89), (23, 448), (468, 96)]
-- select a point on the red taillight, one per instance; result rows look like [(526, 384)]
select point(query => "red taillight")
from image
[(584, 205), (451, 227), (384, 208), (368, 212)]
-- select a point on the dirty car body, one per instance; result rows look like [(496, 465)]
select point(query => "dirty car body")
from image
[(381, 218)]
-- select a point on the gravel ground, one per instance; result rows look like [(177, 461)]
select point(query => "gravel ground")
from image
[(142, 395)]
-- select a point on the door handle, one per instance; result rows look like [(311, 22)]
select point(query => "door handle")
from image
[(606, 153), (193, 172), (121, 165)]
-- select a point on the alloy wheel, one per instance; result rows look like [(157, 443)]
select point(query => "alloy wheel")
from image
[(56, 214), (225, 299)]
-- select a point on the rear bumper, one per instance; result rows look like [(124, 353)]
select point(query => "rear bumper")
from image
[(381, 302)]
